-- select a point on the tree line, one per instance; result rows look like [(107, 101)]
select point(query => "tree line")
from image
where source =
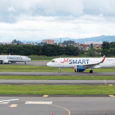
[(48, 50), (108, 49)]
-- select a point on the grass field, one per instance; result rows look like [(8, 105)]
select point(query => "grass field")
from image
[(57, 77), (54, 89), (57, 89), (29, 68)]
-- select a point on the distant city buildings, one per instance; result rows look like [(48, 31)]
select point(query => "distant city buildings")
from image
[(90, 42), (82, 46), (48, 41)]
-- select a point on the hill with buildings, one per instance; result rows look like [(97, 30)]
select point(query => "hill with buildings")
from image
[(92, 39)]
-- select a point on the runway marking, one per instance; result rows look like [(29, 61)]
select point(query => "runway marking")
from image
[(13, 105), (45, 96), (9, 100), (39, 102), (111, 95), (3, 102), (110, 85), (63, 108)]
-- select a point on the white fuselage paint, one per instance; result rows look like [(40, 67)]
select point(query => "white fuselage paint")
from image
[(71, 62), (13, 58)]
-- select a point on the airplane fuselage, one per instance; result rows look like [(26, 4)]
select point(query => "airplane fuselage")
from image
[(13, 59), (71, 62)]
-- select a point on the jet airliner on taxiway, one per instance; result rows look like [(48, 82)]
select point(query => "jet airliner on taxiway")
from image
[(6, 59), (80, 64)]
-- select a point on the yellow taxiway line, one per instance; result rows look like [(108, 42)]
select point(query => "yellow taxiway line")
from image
[(13, 105), (63, 108), (111, 95)]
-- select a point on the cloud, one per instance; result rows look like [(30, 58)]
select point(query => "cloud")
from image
[(95, 7), (40, 27), (12, 9), (42, 19)]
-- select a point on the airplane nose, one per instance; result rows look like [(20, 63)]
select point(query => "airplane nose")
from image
[(47, 64), (29, 59)]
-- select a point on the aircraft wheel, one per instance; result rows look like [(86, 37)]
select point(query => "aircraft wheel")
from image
[(1, 62), (91, 71)]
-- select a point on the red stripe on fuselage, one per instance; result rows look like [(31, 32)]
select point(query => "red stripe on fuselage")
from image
[(65, 60)]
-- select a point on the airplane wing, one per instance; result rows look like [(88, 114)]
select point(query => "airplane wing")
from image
[(95, 64)]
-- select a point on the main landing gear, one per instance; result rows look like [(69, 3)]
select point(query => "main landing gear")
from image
[(91, 71), (59, 70)]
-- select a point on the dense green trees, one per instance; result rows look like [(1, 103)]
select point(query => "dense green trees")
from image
[(48, 50), (108, 49)]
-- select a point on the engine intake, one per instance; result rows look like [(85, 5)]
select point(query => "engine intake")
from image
[(79, 68)]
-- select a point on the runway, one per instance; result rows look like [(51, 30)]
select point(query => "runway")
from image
[(57, 106), (60, 73), (58, 82)]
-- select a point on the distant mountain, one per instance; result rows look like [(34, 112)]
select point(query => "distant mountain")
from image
[(92, 39), (97, 39), (80, 40)]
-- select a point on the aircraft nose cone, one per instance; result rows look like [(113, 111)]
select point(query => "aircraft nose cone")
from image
[(29, 59), (47, 64)]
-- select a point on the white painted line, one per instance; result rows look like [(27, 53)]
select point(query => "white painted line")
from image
[(9, 100), (39, 102), (3, 103)]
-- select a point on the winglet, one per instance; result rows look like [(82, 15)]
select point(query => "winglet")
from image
[(103, 59)]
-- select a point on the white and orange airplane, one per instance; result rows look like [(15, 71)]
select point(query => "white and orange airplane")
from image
[(81, 64)]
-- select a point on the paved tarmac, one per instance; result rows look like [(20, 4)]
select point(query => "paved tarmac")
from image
[(60, 73), (35, 63), (57, 106), (59, 82)]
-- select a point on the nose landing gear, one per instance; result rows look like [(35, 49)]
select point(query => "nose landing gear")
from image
[(91, 71), (59, 70)]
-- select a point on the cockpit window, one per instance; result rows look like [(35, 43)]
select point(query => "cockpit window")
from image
[(53, 61)]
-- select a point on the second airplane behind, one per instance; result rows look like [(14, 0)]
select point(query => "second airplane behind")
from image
[(6, 59)]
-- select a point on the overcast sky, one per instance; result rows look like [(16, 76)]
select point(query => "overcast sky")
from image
[(47, 19)]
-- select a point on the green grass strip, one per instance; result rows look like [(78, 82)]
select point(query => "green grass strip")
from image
[(58, 77), (57, 89), (30, 68)]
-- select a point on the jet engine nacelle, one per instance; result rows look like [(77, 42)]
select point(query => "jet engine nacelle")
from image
[(79, 68)]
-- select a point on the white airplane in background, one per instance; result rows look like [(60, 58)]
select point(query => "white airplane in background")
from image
[(6, 59), (81, 64)]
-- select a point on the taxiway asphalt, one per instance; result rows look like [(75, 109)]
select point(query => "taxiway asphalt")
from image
[(60, 73), (58, 82), (34, 63), (57, 106)]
